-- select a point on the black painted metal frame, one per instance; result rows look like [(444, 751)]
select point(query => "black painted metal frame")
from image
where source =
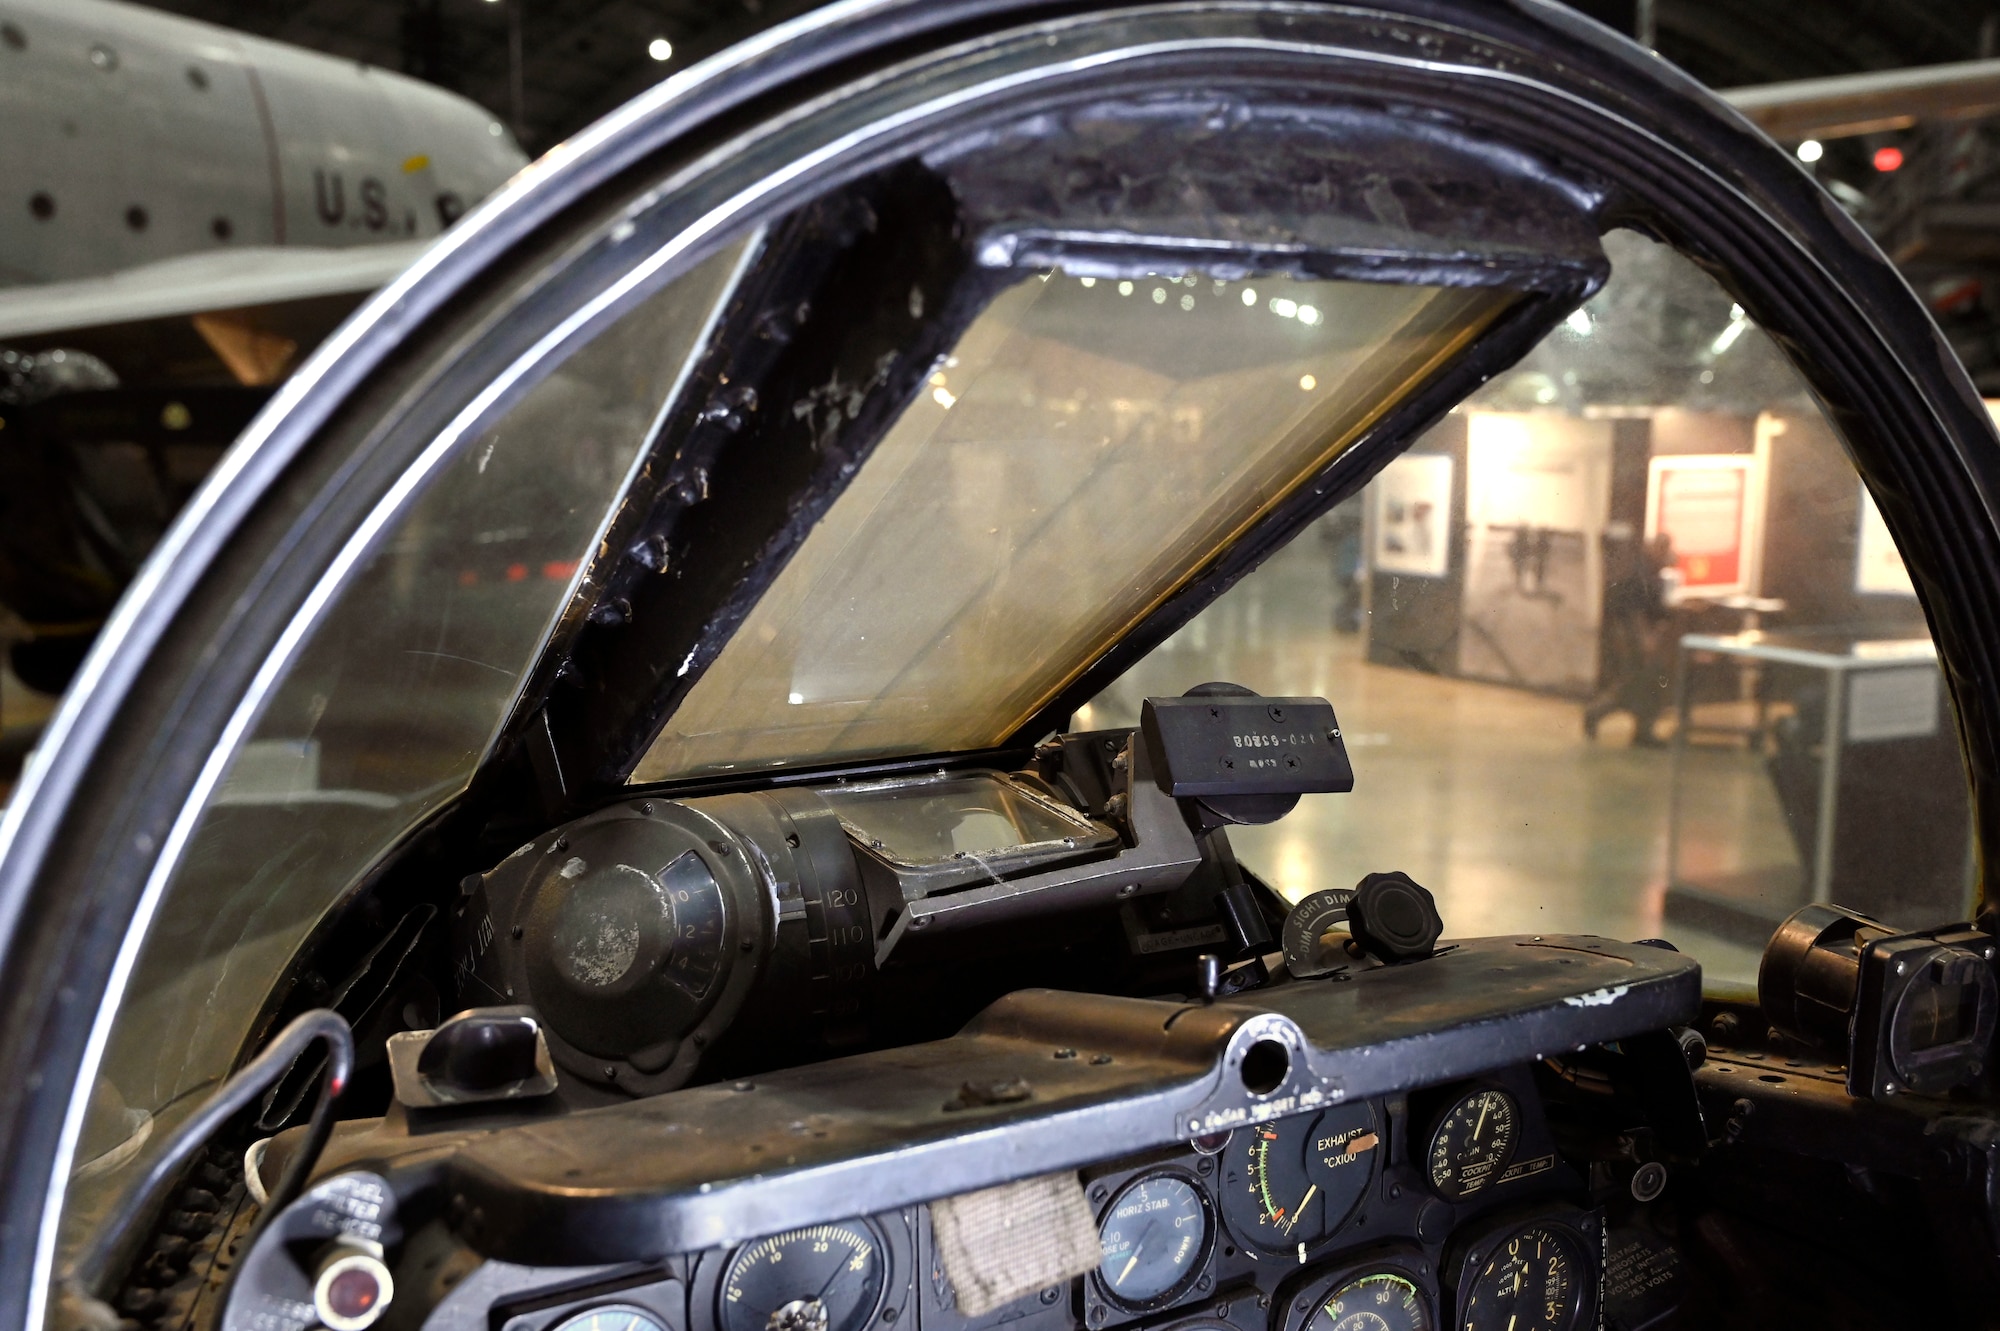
[(90, 819)]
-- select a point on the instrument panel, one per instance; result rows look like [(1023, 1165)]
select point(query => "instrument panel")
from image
[(1448, 1208)]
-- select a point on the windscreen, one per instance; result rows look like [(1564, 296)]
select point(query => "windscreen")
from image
[(381, 719), (1086, 448)]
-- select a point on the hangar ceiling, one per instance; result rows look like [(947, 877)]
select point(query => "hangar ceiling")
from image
[(581, 58)]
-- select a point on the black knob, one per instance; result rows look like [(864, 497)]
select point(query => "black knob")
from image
[(1393, 918)]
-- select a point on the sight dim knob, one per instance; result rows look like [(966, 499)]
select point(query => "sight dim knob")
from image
[(1393, 918)]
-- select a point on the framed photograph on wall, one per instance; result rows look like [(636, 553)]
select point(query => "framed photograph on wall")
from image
[(1413, 516)]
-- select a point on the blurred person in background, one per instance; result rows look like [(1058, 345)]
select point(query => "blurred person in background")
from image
[(1635, 673)]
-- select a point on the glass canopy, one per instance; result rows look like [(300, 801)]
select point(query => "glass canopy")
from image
[(1088, 447)]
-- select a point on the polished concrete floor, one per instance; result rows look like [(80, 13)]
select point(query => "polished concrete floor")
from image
[(1490, 796)]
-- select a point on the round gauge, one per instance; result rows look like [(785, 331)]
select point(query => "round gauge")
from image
[(616, 1317), (1532, 1282), (1472, 1143), (1154, 1237), (1268, 1200), (1379, 1301), (1340, 1159), (825, 1278)]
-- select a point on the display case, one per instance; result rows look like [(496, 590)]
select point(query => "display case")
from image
[(1855, 797)]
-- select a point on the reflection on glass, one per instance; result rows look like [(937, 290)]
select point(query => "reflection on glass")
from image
[(1085, 449), (382, 717), (928, 820), (1621, 647)]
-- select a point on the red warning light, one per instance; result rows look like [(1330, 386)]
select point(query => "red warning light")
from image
[(1888, 159)]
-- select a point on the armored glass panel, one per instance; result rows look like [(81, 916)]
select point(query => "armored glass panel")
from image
[(1087, 447), (1622, 646), (382, 717)]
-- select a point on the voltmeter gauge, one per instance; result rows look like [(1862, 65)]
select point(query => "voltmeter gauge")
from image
[(1471, 1144), (1534, 1281), (1154, 1238), (823, 1278), (1378, 1301)]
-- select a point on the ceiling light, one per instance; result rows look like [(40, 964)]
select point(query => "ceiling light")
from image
[(660, 49)]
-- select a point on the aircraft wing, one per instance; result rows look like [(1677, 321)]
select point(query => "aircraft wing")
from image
[(1850, 104), (196, 284)]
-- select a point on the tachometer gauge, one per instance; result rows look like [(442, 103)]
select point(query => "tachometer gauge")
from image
[(1154, 1237), (616, 1317), (1532, 1282), (825, 1278), (1379, 1301), (1471, 1144), (1268, 1200)]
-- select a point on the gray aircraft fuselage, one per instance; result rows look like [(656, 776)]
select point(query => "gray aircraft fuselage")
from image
[(134, 136)]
